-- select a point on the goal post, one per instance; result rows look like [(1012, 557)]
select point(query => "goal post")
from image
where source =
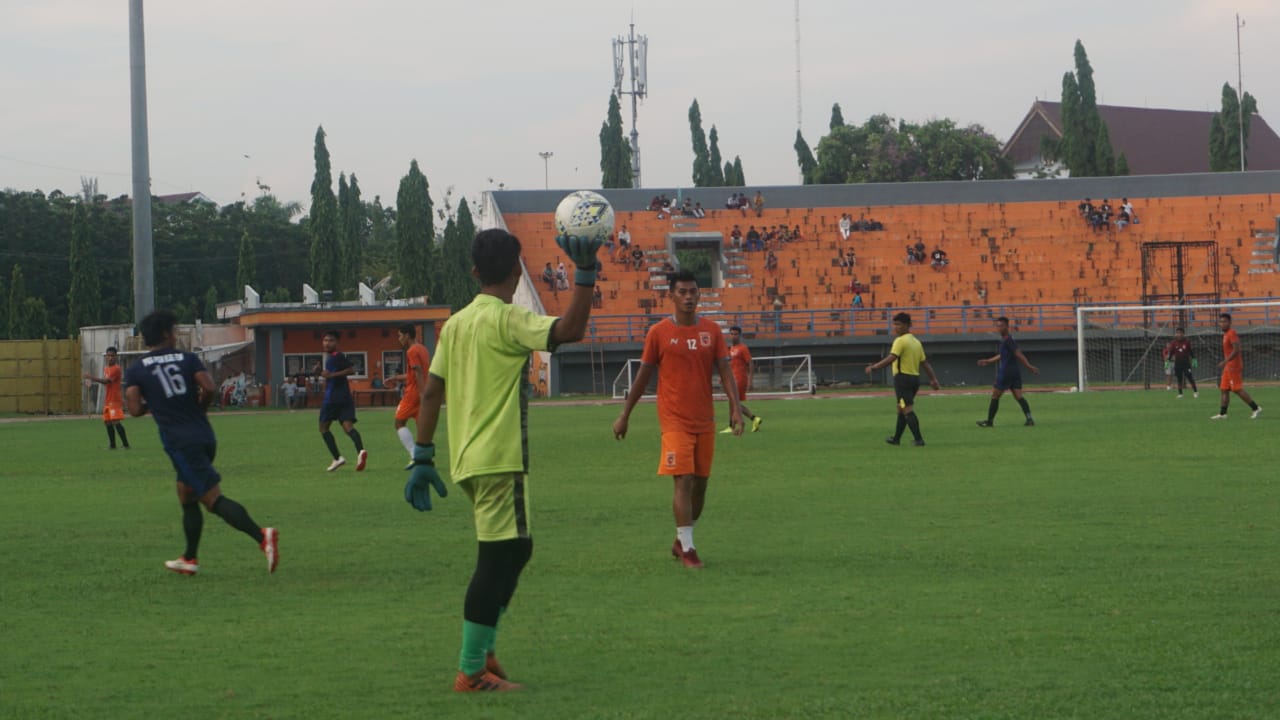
[(775, 376), (1122, 346)]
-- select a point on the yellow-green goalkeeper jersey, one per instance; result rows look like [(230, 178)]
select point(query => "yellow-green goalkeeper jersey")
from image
[(910, 354), (482, 356)]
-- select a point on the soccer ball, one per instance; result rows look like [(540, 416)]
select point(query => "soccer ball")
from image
[(585, 214)]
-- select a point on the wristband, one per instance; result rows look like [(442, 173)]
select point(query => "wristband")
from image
[(585, 277)]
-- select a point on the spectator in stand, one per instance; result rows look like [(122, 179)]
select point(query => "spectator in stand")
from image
[(846, 225), (918, 251), (667, 267), (637, 257), (687, 208), (1085, 208), (754, 242), (562, 277), (735, 238), (857, 300), (939, 257), (771, 262), (850, 257), (732, 202), (597, 298), (757, 203), (698, 212), (795, 234), (743, 204), (549, 277), (609, 244)]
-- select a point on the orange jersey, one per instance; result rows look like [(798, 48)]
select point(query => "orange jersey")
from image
[(740, 362), (113, 374), (415, 356), (686, 357), (1230, 343)]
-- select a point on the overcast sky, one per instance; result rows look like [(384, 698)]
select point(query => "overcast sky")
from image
[(475, 90)]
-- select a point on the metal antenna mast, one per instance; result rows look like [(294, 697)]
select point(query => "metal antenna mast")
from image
[(1240, 85), (635, 52)]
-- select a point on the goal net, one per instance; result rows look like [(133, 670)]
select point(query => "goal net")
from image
[(776, 375), (1123, 346)]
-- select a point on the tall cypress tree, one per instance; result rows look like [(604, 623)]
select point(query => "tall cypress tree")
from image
[(415, 235), (353, 232), (615, 151), (343, 268), (837, 118), (1224, 131), (739, 179), (84, 298), (323, 224), (804, 155), (713, 159), (702, 174), (4, 311), (246, 263), (17, 298), (1086, 145), (210, 314)]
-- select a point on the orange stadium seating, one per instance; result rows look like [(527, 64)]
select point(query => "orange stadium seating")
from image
[(1000, 253)]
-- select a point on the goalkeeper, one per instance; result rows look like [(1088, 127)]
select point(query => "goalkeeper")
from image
[(482, 361), (1182, 357)]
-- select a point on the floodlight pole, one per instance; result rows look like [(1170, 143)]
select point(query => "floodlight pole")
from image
[(546, 181), (144, 290)]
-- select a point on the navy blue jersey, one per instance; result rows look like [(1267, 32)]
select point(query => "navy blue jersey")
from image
[(167, 380), (1008, 367), (336, 389)]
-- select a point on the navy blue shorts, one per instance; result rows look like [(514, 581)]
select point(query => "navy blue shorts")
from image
[(194, 464), (1009, 382), (342, 411)]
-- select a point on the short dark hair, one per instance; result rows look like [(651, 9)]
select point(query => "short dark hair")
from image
[(1179, 330), (904, 318), (110, 349), (736, 329), (1225, 316), (682, 276), (1003, 319), (409, 329), (495, 252), (333, 334), (156, 325)]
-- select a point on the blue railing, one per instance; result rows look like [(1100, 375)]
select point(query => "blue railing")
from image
[(932, 320)]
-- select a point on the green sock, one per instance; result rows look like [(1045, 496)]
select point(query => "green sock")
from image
[(493, 640), (476, 640)]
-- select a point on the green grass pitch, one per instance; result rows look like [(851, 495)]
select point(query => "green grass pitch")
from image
[(1119, 560)]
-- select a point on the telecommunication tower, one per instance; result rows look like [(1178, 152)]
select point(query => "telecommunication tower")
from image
[(632, 52)]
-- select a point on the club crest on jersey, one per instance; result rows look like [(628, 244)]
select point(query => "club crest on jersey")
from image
[(671, 459), (705, 339)]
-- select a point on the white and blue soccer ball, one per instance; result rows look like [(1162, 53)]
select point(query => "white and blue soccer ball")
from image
[(585, 214)]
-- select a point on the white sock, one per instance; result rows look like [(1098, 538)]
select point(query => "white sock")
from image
[(685, 535), (406, 439)]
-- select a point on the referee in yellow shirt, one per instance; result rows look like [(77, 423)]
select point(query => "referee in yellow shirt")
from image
[(907, 356)]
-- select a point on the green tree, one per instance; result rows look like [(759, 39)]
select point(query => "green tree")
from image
[(210, 314), (323, 223), (1224, 131), (17, 296), (837, 118), (1085, 147), (380, 255), (739, 178), (415, 235), (717, 173), (460, 285), (4, 311), (703, 175), (84, 298), (615, 151), (804, 156), (882, 150), (246, 263), (1122, 165)]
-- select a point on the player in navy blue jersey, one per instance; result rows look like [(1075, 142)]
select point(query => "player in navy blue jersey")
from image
[(174, 386), (1008, 374), (338, 403)]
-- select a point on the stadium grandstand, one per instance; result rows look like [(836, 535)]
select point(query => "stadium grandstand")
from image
[(1023, 249)]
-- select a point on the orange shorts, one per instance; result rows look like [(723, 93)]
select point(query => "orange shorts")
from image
[(687, 453), (1232, 380), (408, 407), (742, 388), (111, 412)]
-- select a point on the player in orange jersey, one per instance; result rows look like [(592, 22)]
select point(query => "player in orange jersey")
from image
[(416, 363), (113, 404), (1232, 366), (686, 350), (744, 371)]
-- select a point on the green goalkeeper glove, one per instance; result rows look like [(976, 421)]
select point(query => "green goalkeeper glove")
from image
[(1194, 363), (423, 476), (582, 251), (1168, 366)]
